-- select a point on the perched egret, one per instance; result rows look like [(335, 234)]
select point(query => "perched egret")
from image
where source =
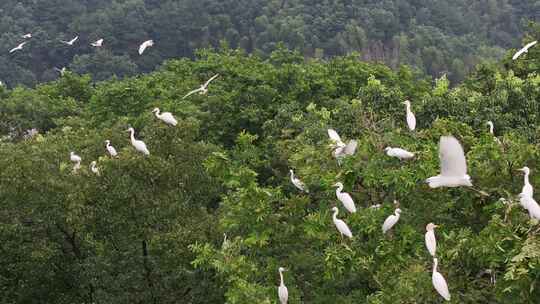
[(166, 117), (297, 182), (27, 36), (110, 149), (439, 282), (411, 120), (527, 187), (431, 241), (491, 127), (391, 220), (74, 157), (453, 165), (226, 243), (283, 293), (139, 145), (531, 205), (203, 89), (144, 45), (98, 43), (345, 198), (18, 47), (525, 49), (71, 42), (94, 168), (399, 153), (340, 225)]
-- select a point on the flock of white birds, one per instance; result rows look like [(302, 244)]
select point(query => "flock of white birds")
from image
[(453, 174), (452, 163)]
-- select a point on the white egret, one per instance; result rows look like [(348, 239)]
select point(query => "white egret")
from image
[(527, 187), (340, 225), (411, 120), (144, 45), (166, 117), (110, 149), (71, 42), (431, 241), (453, 165), (348, 149), (491, 127), (376, 206), (391, 220), (439, 282), (283, 293), (98, 43), (74, 157), (525, 49), (345, 198), (297, 182), (62, 71), (226, 243), (27, 36), (94, 168), (531, 205), (203, 89), (399, 153), (139, 145), (335, 138), (18, 47)]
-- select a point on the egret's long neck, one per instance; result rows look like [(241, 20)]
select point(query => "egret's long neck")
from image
[(132, 135), (526, 177), (339, 189), (491, 128), (408, 106), (281, 277), (292, 175), (435, 266), (334, 216)]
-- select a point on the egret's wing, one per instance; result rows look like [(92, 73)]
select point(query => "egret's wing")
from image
[(334, 136), (452, 157), (192, 92), (210, 80), (529, 45), (350, 148), (142, 47), (517, 54)]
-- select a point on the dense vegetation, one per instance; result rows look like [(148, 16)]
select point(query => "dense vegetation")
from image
[(150, 229), (436, 36)]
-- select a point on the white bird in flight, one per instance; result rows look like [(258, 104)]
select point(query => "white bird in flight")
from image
[(345, 198), (166, 117), (139, 145), (411, 120), (391, 220), (439, 282), (431, 241), (71, 42), (453, 165), (297, 182), (110, 149), (18, 47), (145, 45), (340, 149), (531, 205), (94, 168), (62, 71), (527, 187), (283, 293), (98, 43), (340, 225), (27, 36), (523, 50), (203, 89), (399, 153)]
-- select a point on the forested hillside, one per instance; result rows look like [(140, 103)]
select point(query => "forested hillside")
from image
[(436, 36), (150, 228)]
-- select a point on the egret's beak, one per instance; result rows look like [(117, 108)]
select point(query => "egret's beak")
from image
[(520, 169), (436, 226)]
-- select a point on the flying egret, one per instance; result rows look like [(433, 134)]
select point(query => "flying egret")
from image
[(98, 43), (144, 45), (439, 282), (531, 205), (71, 42), (203, 89), (110, 149), (391, 220), (139, 145), (340, 225), (27, 36), (431, 241), (166, 117), (283, 293), (399, 153), (62, 71), (525, 49), (335, 138), (74, 157), (411, 120), (94, 168), (453, 165), (297, 182), (345, 150), (345, 198), (527, 187), (18, 47)]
